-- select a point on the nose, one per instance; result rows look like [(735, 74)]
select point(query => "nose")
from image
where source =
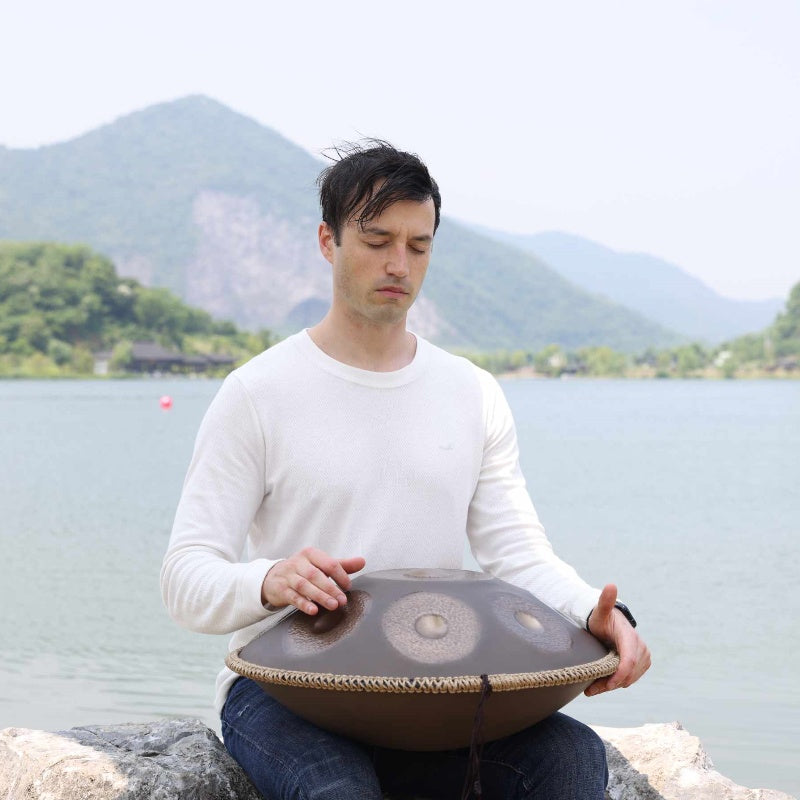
[(398, 261)]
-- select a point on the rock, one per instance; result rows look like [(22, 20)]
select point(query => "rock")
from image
[(182, 758), (665, 762), (163, 760)]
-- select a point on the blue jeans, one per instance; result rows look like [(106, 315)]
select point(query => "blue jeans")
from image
[(288, 758)]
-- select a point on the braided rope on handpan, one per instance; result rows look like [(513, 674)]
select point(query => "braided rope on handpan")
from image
[(503, 682)]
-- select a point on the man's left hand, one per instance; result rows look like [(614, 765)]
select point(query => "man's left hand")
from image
[(610, 626)]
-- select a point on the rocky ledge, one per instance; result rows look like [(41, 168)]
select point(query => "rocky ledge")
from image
[(182, 758), (665, 762)]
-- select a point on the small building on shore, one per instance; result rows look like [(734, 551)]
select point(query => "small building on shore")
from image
[(151, 358)]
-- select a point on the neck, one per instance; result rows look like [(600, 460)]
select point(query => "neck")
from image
[(366, 345)]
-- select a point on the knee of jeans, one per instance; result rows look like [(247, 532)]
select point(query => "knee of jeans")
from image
[(581, 751), (595, 750), (586, 760), (338, 775)]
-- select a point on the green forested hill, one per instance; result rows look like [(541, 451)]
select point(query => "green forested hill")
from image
[(786, 329), (61, 303), (196, 198), (778, 343)]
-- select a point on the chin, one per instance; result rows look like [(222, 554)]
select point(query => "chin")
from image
[(389, 314), (390, 319)]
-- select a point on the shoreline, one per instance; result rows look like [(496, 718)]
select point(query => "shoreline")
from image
[(528, 373), (522, 373)]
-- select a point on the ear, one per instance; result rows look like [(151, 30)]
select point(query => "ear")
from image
[(326, 242)]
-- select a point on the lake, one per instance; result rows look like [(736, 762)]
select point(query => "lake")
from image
[(684, 493)]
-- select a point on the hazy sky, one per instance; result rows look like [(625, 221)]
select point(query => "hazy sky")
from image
[(667, 127)]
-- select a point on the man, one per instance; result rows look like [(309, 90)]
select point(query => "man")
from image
[(358, 443)]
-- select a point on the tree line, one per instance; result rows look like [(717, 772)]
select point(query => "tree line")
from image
[(772, 352)]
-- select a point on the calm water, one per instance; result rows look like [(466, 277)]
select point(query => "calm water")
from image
[(686, 494)]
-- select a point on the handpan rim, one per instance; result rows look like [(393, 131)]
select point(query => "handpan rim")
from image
[(501, 682)]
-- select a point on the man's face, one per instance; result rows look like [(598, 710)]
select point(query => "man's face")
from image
[(378, 270)]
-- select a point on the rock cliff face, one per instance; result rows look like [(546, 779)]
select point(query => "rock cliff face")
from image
[(181, 758), (272, 265)]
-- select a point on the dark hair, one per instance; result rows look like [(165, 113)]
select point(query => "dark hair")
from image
[(349, 184)]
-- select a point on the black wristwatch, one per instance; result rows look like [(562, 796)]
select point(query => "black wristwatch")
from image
[(626, 612)]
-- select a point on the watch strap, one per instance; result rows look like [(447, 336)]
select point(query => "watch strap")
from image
[(626, 612)]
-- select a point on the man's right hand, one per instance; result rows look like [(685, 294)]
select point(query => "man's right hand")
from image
[(309, 579)]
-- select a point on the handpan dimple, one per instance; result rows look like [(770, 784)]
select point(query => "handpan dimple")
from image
[(307, 634), (431, 628), (538, 624), (527, 620)]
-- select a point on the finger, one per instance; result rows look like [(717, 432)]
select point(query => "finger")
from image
[(316, 586), (345, 566), (601, 620), (598, 687), (354, 564), (285, 584), (289, 597), (338, 577), (325, 573), (337, 569), (607, 684), (605, 604), (279, 591), (621, 678)]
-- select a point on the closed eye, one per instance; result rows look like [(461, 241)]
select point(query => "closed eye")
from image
[(378, 245)]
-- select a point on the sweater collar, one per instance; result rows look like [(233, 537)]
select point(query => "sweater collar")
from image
[(380, 380)]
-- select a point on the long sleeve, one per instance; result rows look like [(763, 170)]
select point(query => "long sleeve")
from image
[(204, 584), (505, 533)]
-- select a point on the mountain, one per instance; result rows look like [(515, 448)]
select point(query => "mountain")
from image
[(194, 197), (655, 288)]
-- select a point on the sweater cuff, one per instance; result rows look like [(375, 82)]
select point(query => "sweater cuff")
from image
[(582, 606), (250, 587)]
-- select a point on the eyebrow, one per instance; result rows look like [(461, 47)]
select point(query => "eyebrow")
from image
[(373, 231)]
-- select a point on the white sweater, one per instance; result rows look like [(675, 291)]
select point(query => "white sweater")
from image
[(298, 449)]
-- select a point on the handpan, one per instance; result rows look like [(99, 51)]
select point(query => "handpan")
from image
[(407, 662)]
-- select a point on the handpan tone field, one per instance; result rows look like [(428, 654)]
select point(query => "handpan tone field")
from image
[(401, 664)]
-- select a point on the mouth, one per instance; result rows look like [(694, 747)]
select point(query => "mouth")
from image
[(392, 291)]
